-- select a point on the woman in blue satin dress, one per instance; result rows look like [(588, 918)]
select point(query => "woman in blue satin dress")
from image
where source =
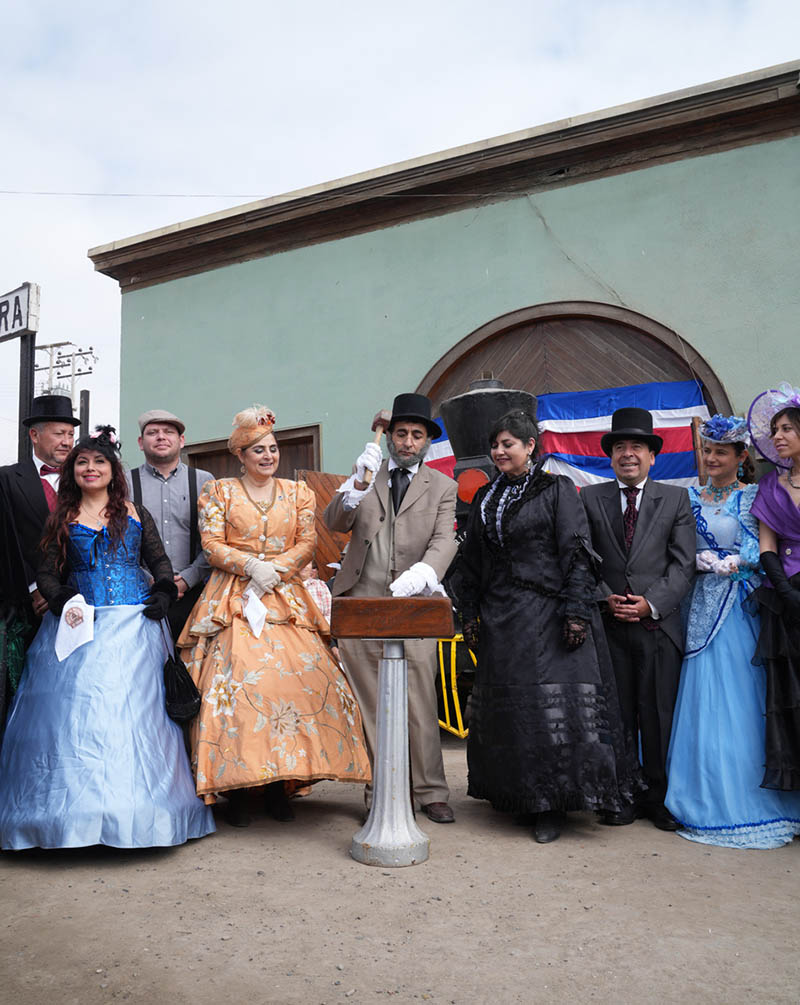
[(716, 755), (89, 755)]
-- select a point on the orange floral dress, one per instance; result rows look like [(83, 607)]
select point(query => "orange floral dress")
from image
[(276, 707)]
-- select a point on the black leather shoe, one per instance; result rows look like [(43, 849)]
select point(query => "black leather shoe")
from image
[(662, 818), (439, 813), (277, 801), (548, 826), (621, 819), (236, 812)]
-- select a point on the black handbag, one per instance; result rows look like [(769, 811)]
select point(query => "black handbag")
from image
[(182, 697)]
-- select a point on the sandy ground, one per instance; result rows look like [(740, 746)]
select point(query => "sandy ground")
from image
[(281, 913)]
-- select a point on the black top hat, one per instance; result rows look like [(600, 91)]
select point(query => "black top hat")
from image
[(51, 408), (631, 424), (416, 408)]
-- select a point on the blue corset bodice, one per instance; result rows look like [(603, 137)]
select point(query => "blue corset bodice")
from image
[(720, 529), (105, 575), (725, 528)]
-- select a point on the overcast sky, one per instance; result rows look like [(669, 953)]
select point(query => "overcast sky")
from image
[(252, 98)]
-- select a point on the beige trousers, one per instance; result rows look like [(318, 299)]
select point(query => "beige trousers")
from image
[(361, 660)]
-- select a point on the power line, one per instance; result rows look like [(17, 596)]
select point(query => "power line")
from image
[(130, 195), (234, 195)]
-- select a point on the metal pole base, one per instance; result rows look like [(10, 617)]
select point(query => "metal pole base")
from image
[(390, 837)]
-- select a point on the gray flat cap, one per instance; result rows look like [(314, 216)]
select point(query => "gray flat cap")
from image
[(159, 415)]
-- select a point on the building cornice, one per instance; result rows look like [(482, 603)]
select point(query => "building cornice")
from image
[(751, 108)]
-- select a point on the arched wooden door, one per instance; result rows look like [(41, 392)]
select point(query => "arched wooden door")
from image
[(576, 346)]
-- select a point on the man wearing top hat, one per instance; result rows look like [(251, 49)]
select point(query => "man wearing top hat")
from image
[(168, 488), (30, 487), (401, 545), (644, 532)]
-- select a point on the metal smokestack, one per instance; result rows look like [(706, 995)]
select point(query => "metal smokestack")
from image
[(468, 418)]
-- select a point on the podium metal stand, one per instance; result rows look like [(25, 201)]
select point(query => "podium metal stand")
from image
[(390, 837)]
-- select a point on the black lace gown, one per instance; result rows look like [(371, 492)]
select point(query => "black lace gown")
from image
[(545, 731)]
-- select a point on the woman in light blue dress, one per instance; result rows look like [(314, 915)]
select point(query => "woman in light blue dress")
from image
[(716, 756), (89, 755)]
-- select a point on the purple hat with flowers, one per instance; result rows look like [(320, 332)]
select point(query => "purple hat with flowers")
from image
[(759, 419), (725, 429)]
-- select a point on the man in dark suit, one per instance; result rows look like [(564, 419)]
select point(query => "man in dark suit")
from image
[(27, 494), (30, 487), (644, 532), (402, 542)]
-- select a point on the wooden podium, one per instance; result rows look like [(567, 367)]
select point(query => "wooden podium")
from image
[(390, 837)]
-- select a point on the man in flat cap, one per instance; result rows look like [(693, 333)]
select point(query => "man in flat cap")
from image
[(644, 532), (402, 542), (168, 488)]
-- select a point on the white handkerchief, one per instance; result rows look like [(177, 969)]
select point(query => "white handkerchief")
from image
[(254, 611), (75, 628)]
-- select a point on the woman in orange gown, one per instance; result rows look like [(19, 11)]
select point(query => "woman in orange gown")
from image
[(276, 707)]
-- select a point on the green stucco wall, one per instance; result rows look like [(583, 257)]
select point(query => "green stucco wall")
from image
[(328, 334)]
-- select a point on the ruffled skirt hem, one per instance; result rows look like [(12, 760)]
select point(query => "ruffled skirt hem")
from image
[(555, 799), (763, 835), (210, 794)]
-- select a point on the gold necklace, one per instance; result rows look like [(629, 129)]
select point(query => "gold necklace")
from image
[(262, 504)]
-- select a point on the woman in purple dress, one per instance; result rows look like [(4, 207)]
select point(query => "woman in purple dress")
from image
[(775, 426)]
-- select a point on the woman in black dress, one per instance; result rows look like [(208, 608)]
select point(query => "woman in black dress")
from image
[(545, 734)]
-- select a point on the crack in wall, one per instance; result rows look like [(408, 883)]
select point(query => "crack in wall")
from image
[(584, 268)]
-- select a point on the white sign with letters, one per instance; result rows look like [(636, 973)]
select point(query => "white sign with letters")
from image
[(19, 311)]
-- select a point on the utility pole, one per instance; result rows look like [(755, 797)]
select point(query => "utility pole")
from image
[(66, 364)]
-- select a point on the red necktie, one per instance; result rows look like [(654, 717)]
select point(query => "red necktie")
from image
[(50, 493), (630, 515)]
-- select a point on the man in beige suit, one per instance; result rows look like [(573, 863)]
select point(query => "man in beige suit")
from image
[(401, 545)]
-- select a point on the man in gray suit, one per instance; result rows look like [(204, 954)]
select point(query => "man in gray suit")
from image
[(644, 532), (401, 544)]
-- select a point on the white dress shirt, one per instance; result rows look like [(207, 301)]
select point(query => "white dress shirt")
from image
[(623, 499), (52, 479)]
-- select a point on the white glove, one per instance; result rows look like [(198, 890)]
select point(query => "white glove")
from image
[(370, 460), (351, 496), (414, 581), (727, 566), (705, 561), (263, 574)]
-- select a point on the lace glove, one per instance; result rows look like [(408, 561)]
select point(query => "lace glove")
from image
[(705, 561), (574, 633), (57, 600), (727, 566), (265, 575), (161, 596), (370, 459), (771, 564), (414, 580), (471, 635)]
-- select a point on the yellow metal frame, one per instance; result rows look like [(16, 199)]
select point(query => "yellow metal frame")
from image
[(447, 723)]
